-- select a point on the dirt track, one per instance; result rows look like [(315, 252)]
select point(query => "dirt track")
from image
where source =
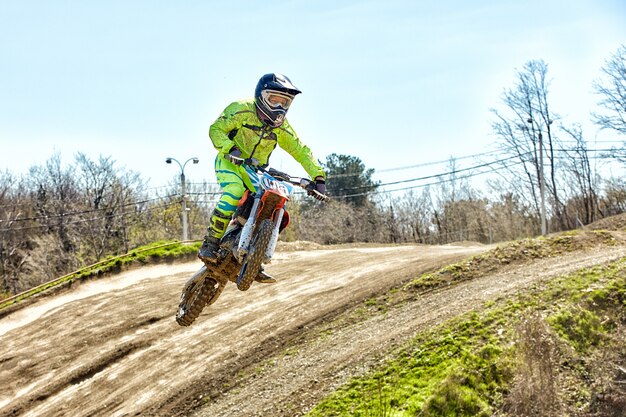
[(112, 348)]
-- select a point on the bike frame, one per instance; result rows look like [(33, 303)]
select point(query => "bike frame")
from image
[(271, 191), (266, 186)]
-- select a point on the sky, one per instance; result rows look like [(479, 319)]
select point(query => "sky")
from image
[(397, 83)]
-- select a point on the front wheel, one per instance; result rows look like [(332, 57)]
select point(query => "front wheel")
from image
[(252, 264), (199, 290)]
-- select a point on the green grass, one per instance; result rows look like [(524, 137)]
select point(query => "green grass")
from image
[(155, 252), (513, 253), (467, 366)]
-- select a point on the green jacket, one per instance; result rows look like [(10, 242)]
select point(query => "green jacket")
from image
[(238, 125)]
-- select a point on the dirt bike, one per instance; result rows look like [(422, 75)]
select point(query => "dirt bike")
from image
[(249, 241)]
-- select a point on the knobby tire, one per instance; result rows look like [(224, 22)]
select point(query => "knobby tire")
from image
[(198, 291), (256, 255)]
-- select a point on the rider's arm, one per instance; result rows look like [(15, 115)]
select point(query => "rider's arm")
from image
[(226, 123), (288, 140)]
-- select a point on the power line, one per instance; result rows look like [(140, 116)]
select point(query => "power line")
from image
[(35, 218), (75, 213), (425, 164), (428, 184), (448, 174), (42, 226), (437, 175), (421, 165)]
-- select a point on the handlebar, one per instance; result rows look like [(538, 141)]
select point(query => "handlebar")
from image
[(305, 183)]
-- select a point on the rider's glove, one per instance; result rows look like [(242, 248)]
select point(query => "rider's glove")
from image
[(234, 151), (319, 190), (234, 156), (320, 186)]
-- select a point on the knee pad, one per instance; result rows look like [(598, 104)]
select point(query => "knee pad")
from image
[(219, 221)]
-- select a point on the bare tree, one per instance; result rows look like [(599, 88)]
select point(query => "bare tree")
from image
[(510, 217), (452, 197), (201, 199), (13, 232), (340, 222), (614, 199), (582, 180), (44, 261), (525, 132), (413, 214), (612, 90), (55, 197), (166, 211), (467, 220), (109, 195)]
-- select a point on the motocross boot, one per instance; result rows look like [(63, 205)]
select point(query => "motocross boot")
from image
[(264, 278), (208, 250)]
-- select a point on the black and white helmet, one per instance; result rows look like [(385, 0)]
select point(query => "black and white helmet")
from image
[(273, 96)]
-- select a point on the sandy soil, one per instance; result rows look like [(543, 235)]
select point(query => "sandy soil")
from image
[(113, 348)]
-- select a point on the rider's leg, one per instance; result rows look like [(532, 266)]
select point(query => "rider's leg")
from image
[(215, 231), (229, 178)]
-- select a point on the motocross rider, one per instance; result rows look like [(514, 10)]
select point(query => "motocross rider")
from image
[(252, 129)]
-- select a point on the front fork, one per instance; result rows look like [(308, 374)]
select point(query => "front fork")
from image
[(246, 232), (269, 252), (248, 229)]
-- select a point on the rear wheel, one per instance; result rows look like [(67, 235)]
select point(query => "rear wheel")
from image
[(198, 291), (255, 257)]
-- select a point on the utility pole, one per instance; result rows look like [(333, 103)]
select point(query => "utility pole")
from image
[(183, 187), (542, 187)]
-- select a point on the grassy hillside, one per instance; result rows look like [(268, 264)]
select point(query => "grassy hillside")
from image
[(558, 349), (164, 251)]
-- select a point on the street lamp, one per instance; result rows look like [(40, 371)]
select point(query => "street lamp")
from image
[(183, 191), (541, 177)]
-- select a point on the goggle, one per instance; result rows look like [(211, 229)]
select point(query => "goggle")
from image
[(276, 99)]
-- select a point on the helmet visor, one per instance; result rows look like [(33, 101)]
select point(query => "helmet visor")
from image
[(276, 99)]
